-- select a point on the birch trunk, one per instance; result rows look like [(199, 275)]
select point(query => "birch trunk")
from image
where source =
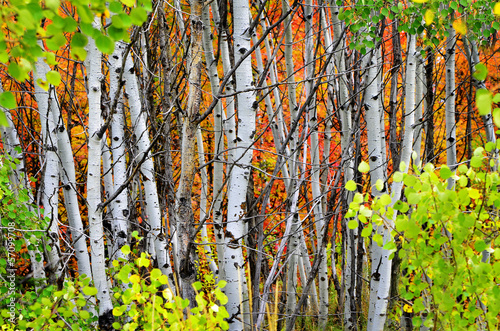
[(119, 222), (238, 306), (451, 147), (384, 270), (184, 212), (141, 132), (46, 101), (377, 167), (96, 231), (218, 168)]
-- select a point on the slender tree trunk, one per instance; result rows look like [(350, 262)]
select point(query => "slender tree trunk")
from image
[(46, 101), (218, 167), (96, 231), (451, 147), (152, 208), (238, 306), (377, 168), (183, 207), (119, 223), (384, 269)]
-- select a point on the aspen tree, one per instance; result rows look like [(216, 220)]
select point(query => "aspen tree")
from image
[(153, 213), (119, 223), (237, 306), (384, 268), (451, 146), (96, 230), (377, 164), (183, 208), (50, 196), (218, 175)]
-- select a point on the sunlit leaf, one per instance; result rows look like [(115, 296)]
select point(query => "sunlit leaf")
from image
[(496, 117), (350, 186), (460, 27), (429, 16), (54, 78), (363, 167), (496, 9), (353, 224), (8, 100), (483, 101), (481, 72)]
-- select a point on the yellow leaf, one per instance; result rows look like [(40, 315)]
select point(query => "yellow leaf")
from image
[(135, 279), (496, 9), (429, 17), (460, 27), (407, 308), (420, 1)]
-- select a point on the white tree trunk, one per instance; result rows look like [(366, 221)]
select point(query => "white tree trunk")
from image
[(383, 287), (141, 132), (119, 223), (451, 147), (47, 101), (238, 306), (96, 231), (218, 168), (377, 164)]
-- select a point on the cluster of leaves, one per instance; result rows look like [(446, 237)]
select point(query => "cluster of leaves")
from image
[(150, 304), (432, 16), (25, 24), (145, 304), (15, 213), (447, 239)]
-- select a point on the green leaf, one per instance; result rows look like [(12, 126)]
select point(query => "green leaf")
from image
[(445, 172), (385, 199), (476, 161), (353, 224), (363, 167), (89, 291), (138, 15), (115, 7), (379, 184), (105, 44), (56, 41), (197, 286), (378, 239), (84, 314), (54, 78), (155, 274), (350, 186), (79, 40), (483, 101), (367, 231), (480, 245), (125, 249), (481, 72), (7, 100), (398, 176), (496, 117), (128, 3)]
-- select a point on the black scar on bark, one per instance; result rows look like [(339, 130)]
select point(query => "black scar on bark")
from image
[(106, 320)]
